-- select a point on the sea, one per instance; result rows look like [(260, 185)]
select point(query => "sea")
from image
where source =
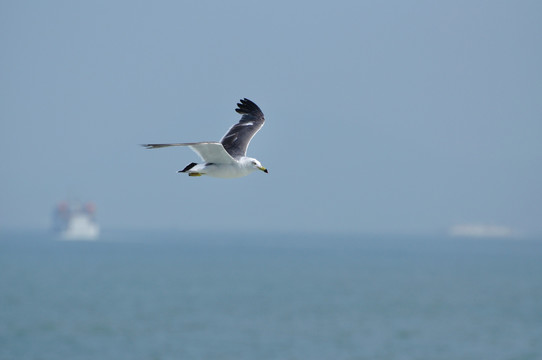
[(179, 295)]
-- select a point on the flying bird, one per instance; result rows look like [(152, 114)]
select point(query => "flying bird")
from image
[(227, 158)]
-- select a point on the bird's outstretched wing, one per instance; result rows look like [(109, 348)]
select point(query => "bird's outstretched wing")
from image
[(239, 135), (210, 152)]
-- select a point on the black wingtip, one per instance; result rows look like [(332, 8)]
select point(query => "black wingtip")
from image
[(246, 106), (152, 146)]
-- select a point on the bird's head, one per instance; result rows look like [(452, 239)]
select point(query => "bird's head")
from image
[(256, 164)]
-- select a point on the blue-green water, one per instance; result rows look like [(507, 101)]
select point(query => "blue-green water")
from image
[(181, 296)]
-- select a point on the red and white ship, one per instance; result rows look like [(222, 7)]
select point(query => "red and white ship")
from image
[(76, 222)]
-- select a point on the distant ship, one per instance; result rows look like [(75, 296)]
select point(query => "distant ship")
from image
[(480, 230), (76, 222)]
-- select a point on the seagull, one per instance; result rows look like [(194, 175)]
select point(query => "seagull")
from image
[(227, 158)]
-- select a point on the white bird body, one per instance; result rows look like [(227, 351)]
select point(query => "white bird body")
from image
[(243, 167)]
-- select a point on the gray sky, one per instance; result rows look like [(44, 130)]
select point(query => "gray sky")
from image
[(386, 117)]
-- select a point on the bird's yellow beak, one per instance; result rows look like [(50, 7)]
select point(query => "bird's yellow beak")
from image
[(263, 169)]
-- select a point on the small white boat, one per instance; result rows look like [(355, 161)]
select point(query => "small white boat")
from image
[(481, 230)]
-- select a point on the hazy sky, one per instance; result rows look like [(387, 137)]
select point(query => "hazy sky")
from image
[(381, 116)]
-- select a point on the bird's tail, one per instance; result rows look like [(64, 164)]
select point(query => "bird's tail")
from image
[(188, 167)]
